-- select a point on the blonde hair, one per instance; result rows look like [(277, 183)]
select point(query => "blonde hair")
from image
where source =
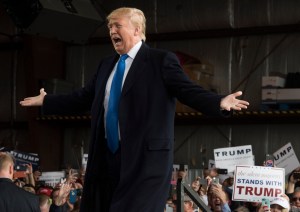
[(136, 17), (5, 160)]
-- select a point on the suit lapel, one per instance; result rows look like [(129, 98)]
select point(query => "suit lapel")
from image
[(104, 71), (137, 67)]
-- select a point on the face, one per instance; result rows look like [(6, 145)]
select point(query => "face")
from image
[(171, 204), (124, 35), (213, 173), (276, 208), (296, 199), (181, 174), (196, 185), (215, 204), (187, 206)]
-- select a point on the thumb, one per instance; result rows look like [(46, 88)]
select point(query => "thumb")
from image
[(42, 91)]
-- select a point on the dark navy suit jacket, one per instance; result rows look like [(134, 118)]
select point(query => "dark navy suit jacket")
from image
[(146, 120), (16, 199)]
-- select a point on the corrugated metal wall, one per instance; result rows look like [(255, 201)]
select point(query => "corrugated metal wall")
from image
[(232, 57), (192, 15)]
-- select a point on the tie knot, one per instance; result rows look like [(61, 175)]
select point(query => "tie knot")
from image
[(124, 56)]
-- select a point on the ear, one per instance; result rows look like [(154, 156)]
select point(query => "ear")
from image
[(11, 169), (137, 31)]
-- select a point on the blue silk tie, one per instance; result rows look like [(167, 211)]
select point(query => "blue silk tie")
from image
[(112, 117)]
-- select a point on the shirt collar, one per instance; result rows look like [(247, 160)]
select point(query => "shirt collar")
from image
[(134, 50)]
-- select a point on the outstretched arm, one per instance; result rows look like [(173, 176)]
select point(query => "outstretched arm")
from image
[(231, 102), (35, 100)]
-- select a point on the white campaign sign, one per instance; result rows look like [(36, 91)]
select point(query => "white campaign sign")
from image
[(252, 183), (228, 158), (84, 160), (286, 158), (52, 178)]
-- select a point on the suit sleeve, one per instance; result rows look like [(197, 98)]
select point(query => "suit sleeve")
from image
[(187, 92), (79, 101)]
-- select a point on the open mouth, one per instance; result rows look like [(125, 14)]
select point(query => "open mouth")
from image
[(117, 41)]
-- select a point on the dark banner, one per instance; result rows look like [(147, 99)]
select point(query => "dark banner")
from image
[(26, 158)]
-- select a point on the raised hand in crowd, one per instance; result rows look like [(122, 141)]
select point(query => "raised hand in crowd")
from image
[(29, 174), (72, 176), (63, 192), (217, 198), (292, 180)]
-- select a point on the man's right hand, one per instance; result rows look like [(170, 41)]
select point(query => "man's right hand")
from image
[(35, 100)]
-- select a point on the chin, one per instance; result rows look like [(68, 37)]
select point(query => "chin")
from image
[(119, 51)]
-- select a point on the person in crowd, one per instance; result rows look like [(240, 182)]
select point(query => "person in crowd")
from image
[(280, 204), (132, 101), (12, 197), (45, 202), (81, 175), (295, 200), (182, 174), (36, 175), (217, 198), (227, 185), (59, 196), (242, 209), (29, 188), (19, 182), (293, 182), (45, 190), (188, 205), (29, 178), (200, 189), (170, 205)]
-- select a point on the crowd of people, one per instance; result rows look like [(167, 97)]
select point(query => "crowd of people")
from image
[(218, 196), (28, 193)]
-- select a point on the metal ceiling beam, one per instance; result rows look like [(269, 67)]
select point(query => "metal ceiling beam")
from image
[(213, 33)]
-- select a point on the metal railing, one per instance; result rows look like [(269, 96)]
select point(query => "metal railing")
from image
[(184, 188)]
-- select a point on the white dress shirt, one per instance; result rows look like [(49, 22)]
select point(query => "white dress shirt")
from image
[(131, 55)]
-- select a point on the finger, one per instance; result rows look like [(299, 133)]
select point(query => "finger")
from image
[(42, 91), (28, 98), (241, 106), (243, 102), (238, 93), (25, 103), (228, 108), (236, 107)]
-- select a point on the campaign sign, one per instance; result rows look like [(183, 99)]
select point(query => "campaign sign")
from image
[(286, 158), (84, 160), (211, 164), (228, 158), (52, 178), (176, 169), (26, 158), (252, 183)]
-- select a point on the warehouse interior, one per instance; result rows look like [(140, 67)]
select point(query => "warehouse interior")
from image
[(223, 45)]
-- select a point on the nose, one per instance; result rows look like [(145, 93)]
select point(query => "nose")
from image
[(112, 30)]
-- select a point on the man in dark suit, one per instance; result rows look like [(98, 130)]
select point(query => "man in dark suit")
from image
[(12, 197), (133, 174)]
